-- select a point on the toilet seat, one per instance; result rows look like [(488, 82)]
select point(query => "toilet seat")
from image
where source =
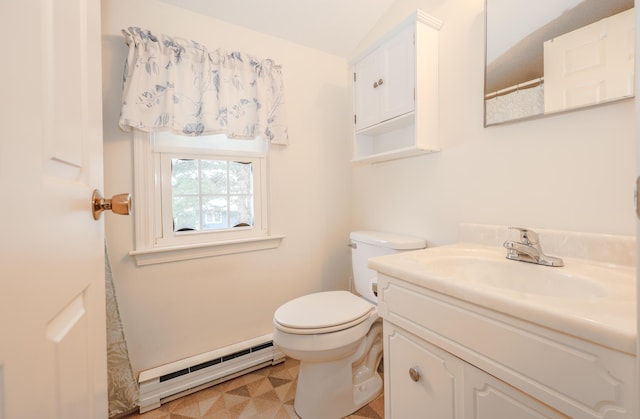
[(322, 312)]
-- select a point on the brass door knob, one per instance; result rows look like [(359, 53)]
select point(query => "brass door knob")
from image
[(118, 204)]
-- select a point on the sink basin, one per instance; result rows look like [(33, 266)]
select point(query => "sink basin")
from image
[(591, 300), (515, 276)]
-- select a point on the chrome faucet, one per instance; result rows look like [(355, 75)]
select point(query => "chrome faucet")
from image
[(528, 249)]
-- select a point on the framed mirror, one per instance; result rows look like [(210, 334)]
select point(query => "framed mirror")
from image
[(547, 56)]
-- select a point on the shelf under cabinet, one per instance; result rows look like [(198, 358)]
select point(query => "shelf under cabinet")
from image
[(392, 155), (392, 124), (389, 140)]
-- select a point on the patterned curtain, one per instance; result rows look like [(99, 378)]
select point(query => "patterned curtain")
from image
[(172, 84), (123, 388)]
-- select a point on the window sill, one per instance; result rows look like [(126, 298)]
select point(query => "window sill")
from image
[(202, 250)]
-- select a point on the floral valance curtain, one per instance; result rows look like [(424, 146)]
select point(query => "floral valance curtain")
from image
[(172, 84)]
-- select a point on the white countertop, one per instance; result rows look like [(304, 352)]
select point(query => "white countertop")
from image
[(601, 308)]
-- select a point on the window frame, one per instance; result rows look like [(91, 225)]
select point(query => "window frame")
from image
[(154, 243)]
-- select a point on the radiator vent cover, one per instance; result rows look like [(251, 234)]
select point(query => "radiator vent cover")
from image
[(171, 381)]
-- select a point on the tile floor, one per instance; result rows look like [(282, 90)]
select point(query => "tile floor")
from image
[(265, 394)]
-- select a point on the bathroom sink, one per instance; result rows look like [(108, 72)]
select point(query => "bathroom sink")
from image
[(591, 300), (521, 277)]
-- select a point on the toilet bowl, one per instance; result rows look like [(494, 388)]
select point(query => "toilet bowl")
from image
[(337, 336), (332, 354)]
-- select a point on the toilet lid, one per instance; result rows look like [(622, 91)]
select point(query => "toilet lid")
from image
[(323, 310)]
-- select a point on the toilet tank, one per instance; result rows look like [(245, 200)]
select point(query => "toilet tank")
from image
[(367, 244)]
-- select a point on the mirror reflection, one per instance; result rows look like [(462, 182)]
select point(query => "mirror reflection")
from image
[(546, 56)]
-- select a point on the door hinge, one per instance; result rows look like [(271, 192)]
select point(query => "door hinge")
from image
[(354, 77), (355, 119)]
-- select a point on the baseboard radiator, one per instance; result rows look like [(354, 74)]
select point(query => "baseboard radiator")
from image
[(177, 379)]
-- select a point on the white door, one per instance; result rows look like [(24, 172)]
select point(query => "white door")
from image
[(593, 64), (52, 309), (637, 113)]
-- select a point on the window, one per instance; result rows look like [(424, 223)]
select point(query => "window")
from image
[(211, 194), (199, 196)]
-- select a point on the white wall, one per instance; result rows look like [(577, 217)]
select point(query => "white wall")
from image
[(572, 171), (175, 310)]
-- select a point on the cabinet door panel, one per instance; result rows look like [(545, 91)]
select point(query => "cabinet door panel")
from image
[(397, 90), (367, 97), (435, 394), (489, 398)]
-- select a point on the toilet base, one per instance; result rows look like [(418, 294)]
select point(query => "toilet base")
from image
[(320, 398), (333, 390)]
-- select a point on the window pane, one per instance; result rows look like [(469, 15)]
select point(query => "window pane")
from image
[(184, 176), (241, 208), (186, 213), (215, 214), (214, 177), (240, 178)]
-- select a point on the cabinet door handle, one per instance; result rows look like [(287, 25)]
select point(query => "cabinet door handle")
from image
[(414, 374), (377, 83)]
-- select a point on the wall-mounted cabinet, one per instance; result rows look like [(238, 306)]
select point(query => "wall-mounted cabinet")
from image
[(396, 93)]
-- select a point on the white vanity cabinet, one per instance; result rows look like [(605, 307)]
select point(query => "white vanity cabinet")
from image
[(471, 362), (423, 380), (396, 93)]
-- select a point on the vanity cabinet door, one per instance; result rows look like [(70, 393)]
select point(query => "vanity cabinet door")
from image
[(486, 397), (385, 81), (421, 380)]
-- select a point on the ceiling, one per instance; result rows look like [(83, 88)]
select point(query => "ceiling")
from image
[(333, 26)]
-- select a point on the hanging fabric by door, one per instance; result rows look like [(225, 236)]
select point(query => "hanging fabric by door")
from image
[(171, 84), (122, 386)]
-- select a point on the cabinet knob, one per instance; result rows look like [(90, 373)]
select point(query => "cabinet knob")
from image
[(414, 374), (377, 83)]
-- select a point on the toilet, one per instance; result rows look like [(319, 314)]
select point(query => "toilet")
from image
[(337, 335)]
